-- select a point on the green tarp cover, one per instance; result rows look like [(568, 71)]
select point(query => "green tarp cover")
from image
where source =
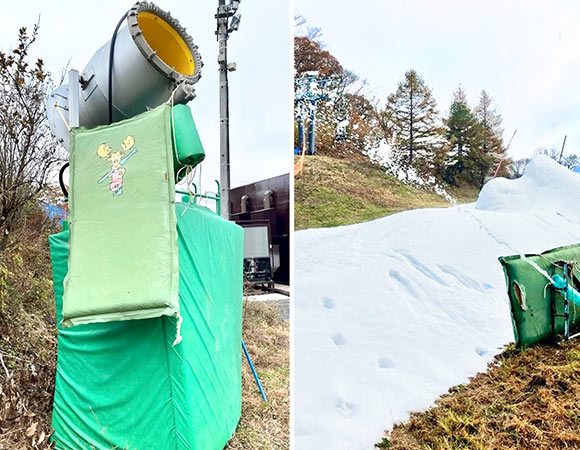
[(123, 244), (537, 310), (188, 148), (123, 385)]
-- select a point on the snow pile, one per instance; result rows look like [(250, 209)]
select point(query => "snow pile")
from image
[(390, 314), (545, 186)]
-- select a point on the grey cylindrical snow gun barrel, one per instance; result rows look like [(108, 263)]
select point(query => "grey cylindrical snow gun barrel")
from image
[(153, 55)]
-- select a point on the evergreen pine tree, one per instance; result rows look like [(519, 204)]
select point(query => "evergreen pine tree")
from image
[(413, 123), (461, 133)]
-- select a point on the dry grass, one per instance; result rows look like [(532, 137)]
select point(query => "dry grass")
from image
[(265, 426), (527, 400), (333, 192), (27, 338)]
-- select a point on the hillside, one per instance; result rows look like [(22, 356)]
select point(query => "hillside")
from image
[(390, 314), (332, 192)]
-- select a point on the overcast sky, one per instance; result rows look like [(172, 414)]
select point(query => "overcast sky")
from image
[(526, 54), (259, 89)]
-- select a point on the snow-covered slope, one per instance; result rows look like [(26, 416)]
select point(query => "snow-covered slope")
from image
[(390, 314)]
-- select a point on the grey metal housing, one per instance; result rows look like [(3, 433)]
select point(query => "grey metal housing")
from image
[(141, 79)]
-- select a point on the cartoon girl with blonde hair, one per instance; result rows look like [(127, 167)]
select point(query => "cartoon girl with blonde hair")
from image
[(117, 160)]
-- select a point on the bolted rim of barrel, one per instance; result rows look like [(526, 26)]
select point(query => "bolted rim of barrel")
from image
[(146, 50)]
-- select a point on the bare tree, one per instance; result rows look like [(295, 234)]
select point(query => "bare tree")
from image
[(315, 35), (28, 150), (570, 161), (519, 167)]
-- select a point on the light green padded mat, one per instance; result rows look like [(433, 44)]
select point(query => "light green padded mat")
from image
[(123, 385), (123, 242)]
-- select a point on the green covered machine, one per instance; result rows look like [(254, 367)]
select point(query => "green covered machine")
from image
[(123, 260), (125, 385), (148, 296), (538, 295)]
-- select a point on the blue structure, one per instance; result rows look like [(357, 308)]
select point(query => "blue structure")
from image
[(309, 91), (54, 212)]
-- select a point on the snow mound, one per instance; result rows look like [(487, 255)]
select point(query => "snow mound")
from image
[(390, 314), (544, 186)]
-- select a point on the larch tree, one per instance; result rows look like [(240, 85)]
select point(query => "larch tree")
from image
[(413, 123), (489, 150)]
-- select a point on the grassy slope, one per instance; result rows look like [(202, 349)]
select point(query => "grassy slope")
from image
[(527, 400), (333, 192)]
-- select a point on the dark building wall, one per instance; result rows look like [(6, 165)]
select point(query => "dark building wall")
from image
[(250, 202)]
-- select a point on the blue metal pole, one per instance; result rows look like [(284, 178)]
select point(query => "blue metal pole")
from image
[(566, 306), (254, 371), (312, 129), (563, 285), (300, 134)]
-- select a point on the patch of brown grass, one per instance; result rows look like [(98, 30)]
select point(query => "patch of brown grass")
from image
[(527, 400), (332, 192), (265, 426), (27, 337)]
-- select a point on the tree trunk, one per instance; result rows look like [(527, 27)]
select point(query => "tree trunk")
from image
[(411, 112), (4, 241)]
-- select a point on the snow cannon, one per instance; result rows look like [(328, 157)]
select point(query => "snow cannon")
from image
[(147, 61), (144, 285), (544, 294)]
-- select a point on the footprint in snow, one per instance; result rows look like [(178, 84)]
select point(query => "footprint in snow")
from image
[(344, 405), (385, 363), (461, 278), (404, 282), (338, 339), (328, 303), (480, 351)]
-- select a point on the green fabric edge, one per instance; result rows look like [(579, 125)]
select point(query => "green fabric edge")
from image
[(512, 318), (116, 316)]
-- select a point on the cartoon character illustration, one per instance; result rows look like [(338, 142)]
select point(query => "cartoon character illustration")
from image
[(117, 160)]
